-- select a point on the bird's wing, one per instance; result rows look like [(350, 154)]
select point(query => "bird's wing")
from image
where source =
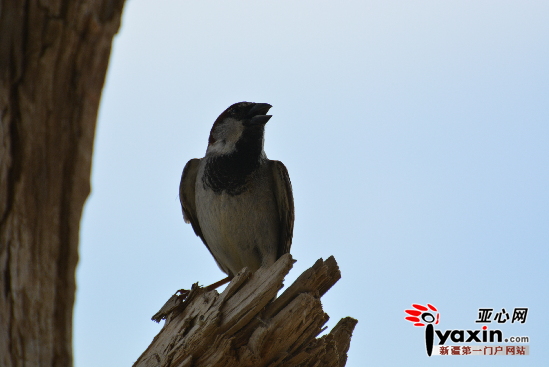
[(285, 202), (188, 202), (187, 196)]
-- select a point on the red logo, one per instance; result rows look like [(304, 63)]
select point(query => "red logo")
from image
[(425, 315)]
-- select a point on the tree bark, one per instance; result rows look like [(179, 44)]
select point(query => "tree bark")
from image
[(53, 59), (247, 326)]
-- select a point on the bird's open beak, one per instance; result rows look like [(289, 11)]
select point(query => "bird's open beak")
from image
[(258, 114)]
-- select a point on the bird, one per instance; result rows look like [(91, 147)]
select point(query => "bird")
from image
[(239, 202)]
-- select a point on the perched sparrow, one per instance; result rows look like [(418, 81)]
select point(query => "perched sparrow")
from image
[(239, 202)]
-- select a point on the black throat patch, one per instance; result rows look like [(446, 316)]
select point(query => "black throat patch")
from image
[(230, 172)]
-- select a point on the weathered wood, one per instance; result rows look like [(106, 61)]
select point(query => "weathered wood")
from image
[(246, 325), (53, 59)]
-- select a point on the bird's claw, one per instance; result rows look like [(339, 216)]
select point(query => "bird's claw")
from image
[(183, 293)]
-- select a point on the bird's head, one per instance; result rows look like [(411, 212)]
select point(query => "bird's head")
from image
[(242, 124)]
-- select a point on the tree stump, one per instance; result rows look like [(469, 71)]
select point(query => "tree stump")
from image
[(247, 325)]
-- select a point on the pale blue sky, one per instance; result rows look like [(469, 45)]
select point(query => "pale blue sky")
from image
[(416, 136)]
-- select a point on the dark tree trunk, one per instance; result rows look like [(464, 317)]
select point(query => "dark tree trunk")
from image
[(53, 59)]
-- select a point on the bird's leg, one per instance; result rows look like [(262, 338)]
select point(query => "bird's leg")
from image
[(219, 283), (185, 292)]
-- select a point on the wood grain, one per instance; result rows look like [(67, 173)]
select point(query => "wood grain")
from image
[(53, 59), (247, 325)]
